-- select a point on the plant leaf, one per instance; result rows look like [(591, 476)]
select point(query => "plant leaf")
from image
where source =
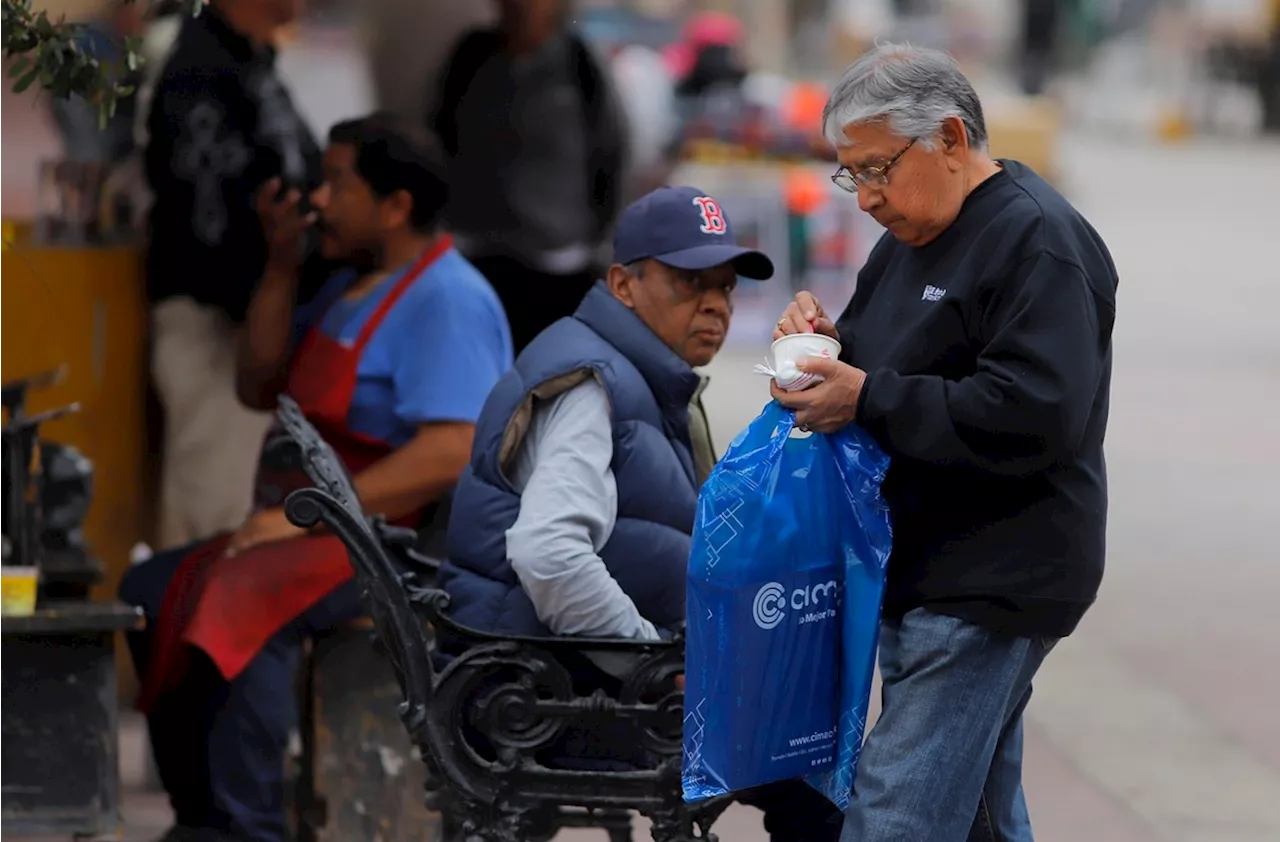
[(26, 81)]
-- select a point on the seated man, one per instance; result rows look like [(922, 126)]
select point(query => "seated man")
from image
[(576, 513), (391, 362)]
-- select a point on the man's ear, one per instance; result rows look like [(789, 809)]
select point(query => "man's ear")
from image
[(955, 140), (621, 284), (398, 208)]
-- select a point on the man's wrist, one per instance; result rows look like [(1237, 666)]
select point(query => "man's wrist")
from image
[(281, 273), (860, 408)]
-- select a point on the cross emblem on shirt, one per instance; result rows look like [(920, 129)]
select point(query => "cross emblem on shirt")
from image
[(207, 156)]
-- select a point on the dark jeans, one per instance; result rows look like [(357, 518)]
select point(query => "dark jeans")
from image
[(220, 745), (532, 300), (795, 812)]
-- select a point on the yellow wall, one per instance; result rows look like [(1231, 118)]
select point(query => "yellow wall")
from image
[(73, 9), (86, 309)]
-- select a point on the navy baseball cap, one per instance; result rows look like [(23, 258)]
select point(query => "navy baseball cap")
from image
[(685, 228)]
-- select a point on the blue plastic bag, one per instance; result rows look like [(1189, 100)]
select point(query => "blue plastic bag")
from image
[(786, 574)]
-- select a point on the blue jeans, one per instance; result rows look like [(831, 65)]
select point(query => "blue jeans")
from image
[(944, 762), (220, 745)]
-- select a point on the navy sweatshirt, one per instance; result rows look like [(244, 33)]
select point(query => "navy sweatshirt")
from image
[(988, 354)]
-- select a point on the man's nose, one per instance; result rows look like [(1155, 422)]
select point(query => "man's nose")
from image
[(718, 300), (869, 199)]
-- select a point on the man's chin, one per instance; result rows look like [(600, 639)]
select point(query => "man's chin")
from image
[(332, 250), (700, 352), (911, 235)]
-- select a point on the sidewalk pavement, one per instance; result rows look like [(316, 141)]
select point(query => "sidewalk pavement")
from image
[(1068, 806)]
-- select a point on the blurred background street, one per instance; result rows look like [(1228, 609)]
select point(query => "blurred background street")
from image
[(1158, 721)]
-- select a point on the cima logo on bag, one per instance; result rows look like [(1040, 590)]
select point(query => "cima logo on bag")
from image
[(770, 604)]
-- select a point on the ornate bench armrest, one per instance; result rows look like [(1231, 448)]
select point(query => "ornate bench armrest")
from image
[(404, 542)]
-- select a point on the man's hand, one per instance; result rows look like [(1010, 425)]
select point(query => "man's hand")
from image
[(833, 403), (264, 527), (805, 315), (283, 225)]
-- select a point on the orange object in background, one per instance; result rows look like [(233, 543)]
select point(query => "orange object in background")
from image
[(804, 191), (803, 110)]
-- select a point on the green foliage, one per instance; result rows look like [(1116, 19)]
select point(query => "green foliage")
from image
[(51, 55)]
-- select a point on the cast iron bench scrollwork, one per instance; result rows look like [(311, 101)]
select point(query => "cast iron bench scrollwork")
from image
[(486, 721)]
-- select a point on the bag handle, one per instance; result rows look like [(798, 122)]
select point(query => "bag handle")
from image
[(777, 423)]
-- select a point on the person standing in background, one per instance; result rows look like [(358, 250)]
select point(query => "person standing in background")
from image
[(1040, 19), (408, 45), (710, 69), (1269, 74), (220, 125), (535, 141), (805, 195)]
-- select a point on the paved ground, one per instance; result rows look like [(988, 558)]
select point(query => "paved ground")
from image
[(1158, 721)]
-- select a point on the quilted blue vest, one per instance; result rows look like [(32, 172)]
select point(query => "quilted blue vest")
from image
[(649, 390)]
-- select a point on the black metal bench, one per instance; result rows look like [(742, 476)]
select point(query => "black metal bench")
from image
[(512, 696)]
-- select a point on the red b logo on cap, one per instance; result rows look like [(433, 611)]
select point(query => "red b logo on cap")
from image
[(712, 217)]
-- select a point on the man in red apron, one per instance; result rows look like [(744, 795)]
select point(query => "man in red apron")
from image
[(392, 362)]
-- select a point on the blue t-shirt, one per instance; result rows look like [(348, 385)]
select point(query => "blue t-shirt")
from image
[(436, 355)]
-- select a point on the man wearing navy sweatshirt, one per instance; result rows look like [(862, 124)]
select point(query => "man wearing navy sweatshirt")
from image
[(977, 351)]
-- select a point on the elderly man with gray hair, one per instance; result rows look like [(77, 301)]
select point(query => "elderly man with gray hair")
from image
[(977, 351)]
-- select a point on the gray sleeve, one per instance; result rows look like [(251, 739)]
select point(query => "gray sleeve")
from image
[(568, 506)]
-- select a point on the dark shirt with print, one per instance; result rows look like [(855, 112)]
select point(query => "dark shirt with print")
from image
[(221, 124)]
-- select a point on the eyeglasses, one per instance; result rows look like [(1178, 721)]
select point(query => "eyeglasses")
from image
[(699, 282), (869, 177)]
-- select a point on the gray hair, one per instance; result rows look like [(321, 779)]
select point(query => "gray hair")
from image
[(912, 89), (635, 268)]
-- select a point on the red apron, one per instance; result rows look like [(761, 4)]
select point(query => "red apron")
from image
[(229, 607)]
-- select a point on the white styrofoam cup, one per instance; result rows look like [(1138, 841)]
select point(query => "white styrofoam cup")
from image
[(788, 350)]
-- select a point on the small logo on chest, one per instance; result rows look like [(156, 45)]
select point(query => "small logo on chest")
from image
[(932, 293)]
